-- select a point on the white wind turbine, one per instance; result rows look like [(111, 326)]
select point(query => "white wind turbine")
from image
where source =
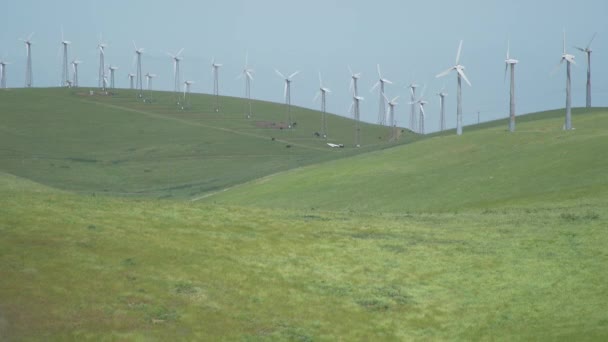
[(176, 74), (442, 94), (247, 75), (391, 115), (131, 76), (138, 75), (75, 64), (29, 76), (65, 73), (149, 78), (323, 91), (187, 85), (460, 75), (3, 65), (355, 110), (215, 69), (112, 71), (569, 60), (381, 82), (102, 66), (354, 77), (510, 62), (413, 87), (587, 50), (287, 94), (421, 102)]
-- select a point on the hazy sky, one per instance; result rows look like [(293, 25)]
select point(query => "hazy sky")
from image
[(410, 40)]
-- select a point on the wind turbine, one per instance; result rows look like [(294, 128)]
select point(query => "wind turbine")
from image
[(354, 77), (442, 96), (421, 102), (149, 78), (187, 85), (287, 93), (391, 115), (247, 74), (29, 77), (112, 70), (75, 64), (131, 76), (511, 62), (3, 65), (101, 74), (323, 91), (215, 67), (587, 50), (413, 87), (355, 109), (138, 80), (569, 60), (65, 73), (460, 75), (381, 82), (176, 74)]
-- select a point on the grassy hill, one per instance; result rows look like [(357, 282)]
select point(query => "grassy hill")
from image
[(119, 146), (484, 168), (508, 243)]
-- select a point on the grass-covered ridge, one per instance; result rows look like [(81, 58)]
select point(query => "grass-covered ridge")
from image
[(89, 267), (118, 145), (483, 168)]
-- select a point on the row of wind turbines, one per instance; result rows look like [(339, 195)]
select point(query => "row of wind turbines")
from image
[(386, 116)]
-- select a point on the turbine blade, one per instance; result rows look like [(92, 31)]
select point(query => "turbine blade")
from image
[(351, 71), (387, 81), (30, 36), (379, 73), (385, 98), (508, 48), (375, 86), (294, 74), (591, 41), (444, 72), (320, 80), (458, 54), (135, 46), (179, 52), (280, 74), (580, 48), (564, 42), (316, 96), (506, 67), (461, 73)]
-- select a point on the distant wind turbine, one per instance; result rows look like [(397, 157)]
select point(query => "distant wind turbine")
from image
[(187, 85), (323, 91), (355, 110), (112, 71), (138, 75), (247, 75), (75, 64), (354, 77), (287, 94), (511, 62), (29, 77), (413, 87), (460, 75), (569, 60), (149, 78), (102, 67), (3, 65), (65, 72), (176, 74), (421, 103), (587, 50), (442, 96), (381, 82), (215, 69), (131, 76), (391, 115)]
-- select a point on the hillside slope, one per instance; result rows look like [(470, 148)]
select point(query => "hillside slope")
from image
[(483, 168)]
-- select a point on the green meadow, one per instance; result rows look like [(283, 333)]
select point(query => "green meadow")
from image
[(230, 235)]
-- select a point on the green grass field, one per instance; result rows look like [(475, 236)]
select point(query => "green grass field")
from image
[(491, 235)]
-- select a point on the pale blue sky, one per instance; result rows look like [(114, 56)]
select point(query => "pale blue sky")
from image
[(410, 40)]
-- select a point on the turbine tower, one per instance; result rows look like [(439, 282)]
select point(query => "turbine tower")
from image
[(3, 65), (391, 116), (354, 77), (131, 76), (215, 68), (381, 82), (247, 75), (569, 60), (588, 51), (510, 62), (355, 109), (323, 91), (149, 78), (65, 72), (75, 64), (112, 70), (176, 74), (442, 96), (460, 75), (138, 75), (287, 94), (413, 87), (101, 74), (29, 77)]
